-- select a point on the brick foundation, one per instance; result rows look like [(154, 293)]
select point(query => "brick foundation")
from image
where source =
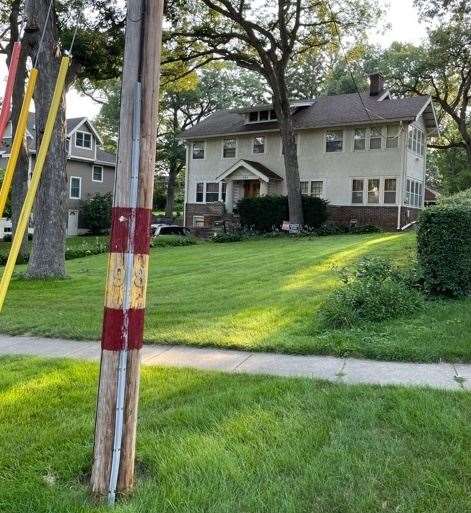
[(384, 217)]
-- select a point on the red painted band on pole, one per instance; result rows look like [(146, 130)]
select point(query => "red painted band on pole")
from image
[(6, 105), (120, 230), (113, 320)]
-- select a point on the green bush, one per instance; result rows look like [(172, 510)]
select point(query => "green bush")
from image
[(227, 237), (444, 249), (314, 211), (366, 228), (462, 198), (163, 241), (267, 213), (373, 291), (95, 213)]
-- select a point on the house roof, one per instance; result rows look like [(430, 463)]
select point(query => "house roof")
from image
[(72, 124), (324, 112), (254, 167)]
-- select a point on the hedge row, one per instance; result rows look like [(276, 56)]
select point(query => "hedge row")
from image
[(444, 249), (267, 213)]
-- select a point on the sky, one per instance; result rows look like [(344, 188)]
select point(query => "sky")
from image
[(401, 16)]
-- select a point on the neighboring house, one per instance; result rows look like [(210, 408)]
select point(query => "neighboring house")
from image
[(365, 154), (90, 169)]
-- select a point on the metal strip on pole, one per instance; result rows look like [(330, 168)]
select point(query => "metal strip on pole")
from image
[(127, 299)]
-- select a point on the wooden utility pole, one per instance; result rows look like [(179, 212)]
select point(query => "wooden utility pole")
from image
[(123, 322)]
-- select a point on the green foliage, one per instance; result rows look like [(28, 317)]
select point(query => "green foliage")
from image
[(365, 228), (444, 249), (227, 237), (460, 199), (373, 291), (164, 241), (95, 213), (267, 213)]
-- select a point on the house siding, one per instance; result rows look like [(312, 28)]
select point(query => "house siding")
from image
[(336, 170)]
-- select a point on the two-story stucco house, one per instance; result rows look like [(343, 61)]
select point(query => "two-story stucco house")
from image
[(364, 153), (90, 169)]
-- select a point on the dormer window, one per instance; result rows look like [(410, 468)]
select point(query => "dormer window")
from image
[(262, 116), (83, 140)]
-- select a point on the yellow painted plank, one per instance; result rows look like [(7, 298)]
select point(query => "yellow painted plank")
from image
[(17, 140), (35, 178)]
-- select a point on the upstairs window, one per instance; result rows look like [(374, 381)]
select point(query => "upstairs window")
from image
[(259, 145), (262, 116), (359, 139), (333, 141), (375, 138), (392, 138), (390, 191), (212, 192), (316, 188), (83, 140), (357, 191), (229, 147), (416, 140), (198, 150), (97, 174)]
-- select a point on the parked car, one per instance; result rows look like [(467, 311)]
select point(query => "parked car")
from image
[(168, 229)]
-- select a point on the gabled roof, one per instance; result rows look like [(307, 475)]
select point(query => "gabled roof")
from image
[(258, 169), (72, 125), (324, 112)]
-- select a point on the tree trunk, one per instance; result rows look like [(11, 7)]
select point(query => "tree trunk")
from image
[(49, 215), (170, 200), (288, 140), (20, 178)]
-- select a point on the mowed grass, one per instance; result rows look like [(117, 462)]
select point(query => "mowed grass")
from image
[(213, 443), (261, 295)]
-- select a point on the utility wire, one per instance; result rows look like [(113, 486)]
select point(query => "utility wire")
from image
[(43, 33), (343, 53)]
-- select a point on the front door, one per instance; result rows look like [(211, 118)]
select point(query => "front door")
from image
[(72, 223), (251, 188)]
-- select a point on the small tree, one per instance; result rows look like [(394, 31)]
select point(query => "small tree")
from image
[(95, 213)]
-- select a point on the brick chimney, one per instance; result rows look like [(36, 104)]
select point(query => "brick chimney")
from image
[(376, 83)]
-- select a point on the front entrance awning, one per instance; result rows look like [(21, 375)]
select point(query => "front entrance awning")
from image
[(250, 170)]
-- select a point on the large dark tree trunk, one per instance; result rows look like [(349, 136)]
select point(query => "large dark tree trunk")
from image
[(20, 178), (288, 140), (47, 255)]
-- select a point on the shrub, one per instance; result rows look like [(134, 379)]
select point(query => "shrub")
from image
[(331, 228), (373, 291), (462, 198), (95, 213), (164, 241), (86, 249), (267, 213), (444, 249), (314, 211), (227, 237)]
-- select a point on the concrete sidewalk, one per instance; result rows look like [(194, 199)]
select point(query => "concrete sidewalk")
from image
[(340, 370)]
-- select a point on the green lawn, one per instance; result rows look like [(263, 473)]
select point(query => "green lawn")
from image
[(259, 294), (213, 443)]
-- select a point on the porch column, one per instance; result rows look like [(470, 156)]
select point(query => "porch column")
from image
[(263, 188), (229, 196)]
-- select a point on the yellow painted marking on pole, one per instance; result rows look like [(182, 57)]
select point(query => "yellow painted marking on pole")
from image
[(114, 297), (33, 186), (18, 140)]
